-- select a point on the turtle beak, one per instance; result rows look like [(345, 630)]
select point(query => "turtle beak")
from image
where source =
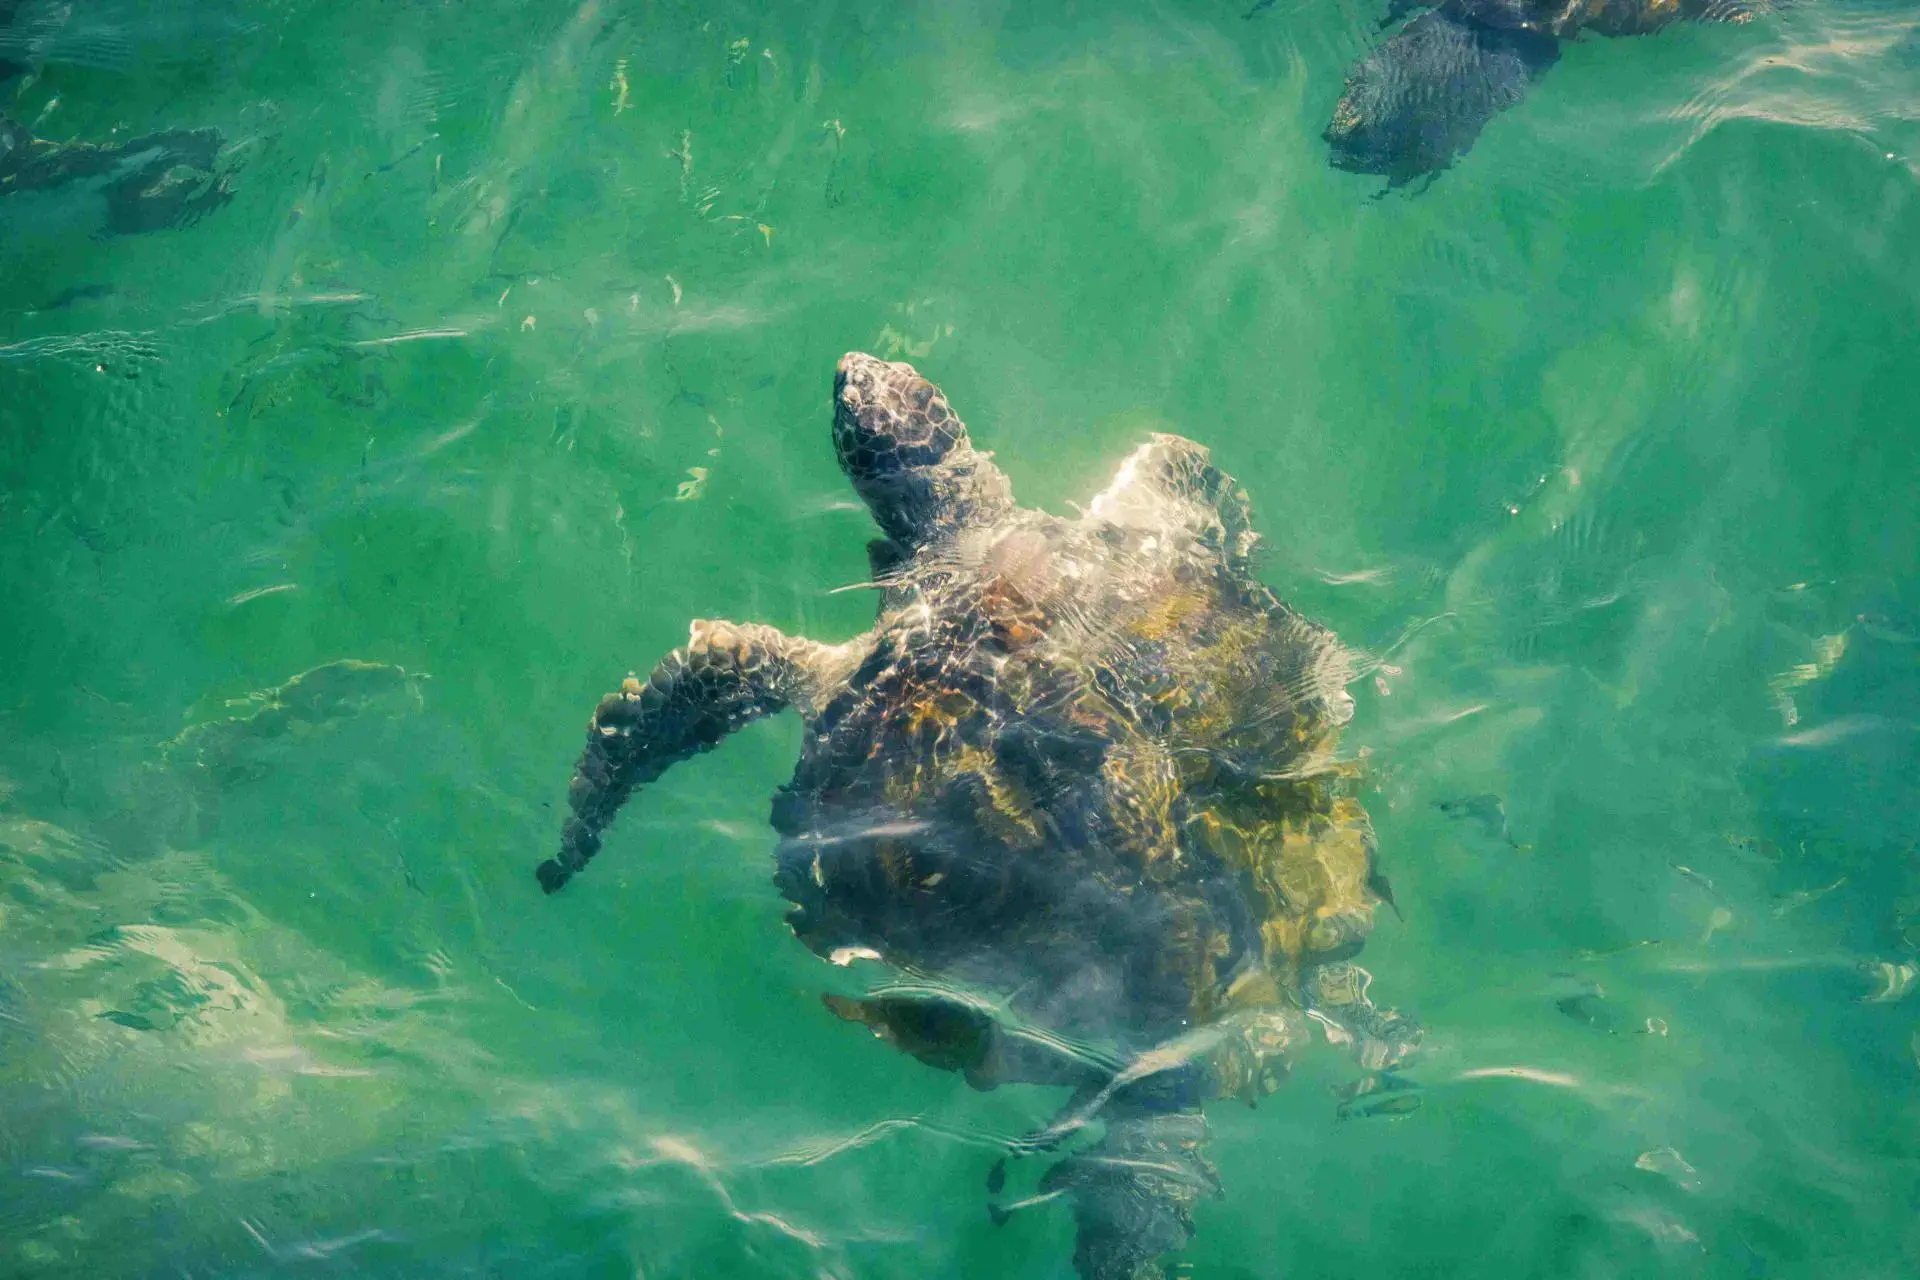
[(853, 364), (864, 373)]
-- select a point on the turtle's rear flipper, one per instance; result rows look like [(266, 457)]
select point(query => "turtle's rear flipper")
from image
[(727, 676), (1422, 98), (1133, 1192)]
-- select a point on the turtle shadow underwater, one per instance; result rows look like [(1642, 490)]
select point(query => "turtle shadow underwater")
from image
[(1079, 788)]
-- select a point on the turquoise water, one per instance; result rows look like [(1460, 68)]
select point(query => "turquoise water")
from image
[(512, 351)]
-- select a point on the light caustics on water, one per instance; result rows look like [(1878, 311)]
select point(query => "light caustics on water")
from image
[(343, 343)]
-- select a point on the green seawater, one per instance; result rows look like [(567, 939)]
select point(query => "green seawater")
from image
[(512, 352)]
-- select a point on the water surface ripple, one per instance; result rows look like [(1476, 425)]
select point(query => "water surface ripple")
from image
[(495, 342)]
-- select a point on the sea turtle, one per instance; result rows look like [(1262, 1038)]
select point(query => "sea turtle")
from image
[(1078, 786), (1421, 99)]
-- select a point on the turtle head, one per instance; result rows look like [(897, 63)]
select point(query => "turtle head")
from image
[(908, 454)]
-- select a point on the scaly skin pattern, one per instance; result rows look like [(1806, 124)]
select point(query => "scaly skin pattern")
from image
[(1086, 767)]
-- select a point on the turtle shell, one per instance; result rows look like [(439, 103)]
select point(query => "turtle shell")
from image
[(1091, 765)]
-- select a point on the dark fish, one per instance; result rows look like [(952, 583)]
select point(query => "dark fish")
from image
[(945, 1030), (1392, 1104), (1601, 953), (1382, 888), (1590, 1010), (1699, 878), (1421, 99), (1486, 812), (997, 1177), (1383, 1082), (132, 1021), (1418, 102), (76, 294), (1384, 1094)]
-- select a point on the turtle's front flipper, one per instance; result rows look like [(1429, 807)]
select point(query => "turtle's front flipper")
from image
[(1336, 998), (1422, 98), (1133, 1192), (1171, 482), (725, 677)]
